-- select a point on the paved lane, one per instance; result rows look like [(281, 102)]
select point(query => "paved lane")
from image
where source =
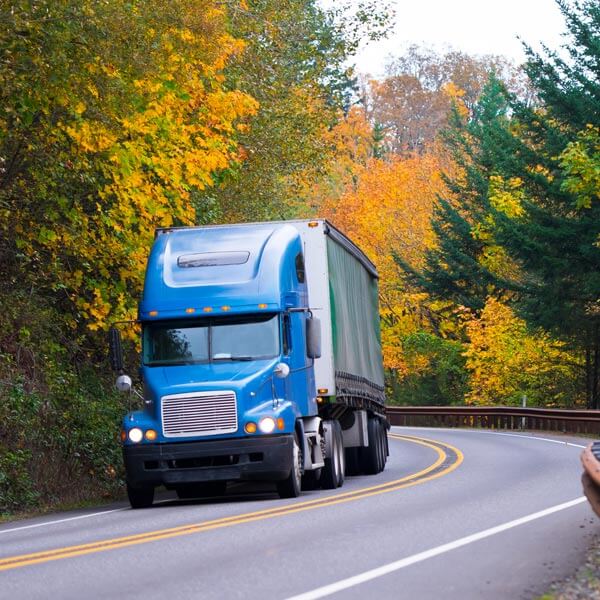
[(253, 545)]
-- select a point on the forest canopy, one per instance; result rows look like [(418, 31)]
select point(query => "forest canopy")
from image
[(471, 182)]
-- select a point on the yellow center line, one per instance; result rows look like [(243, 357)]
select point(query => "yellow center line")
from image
[(433, 471)]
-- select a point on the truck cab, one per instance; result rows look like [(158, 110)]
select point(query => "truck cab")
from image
[(225, 368)]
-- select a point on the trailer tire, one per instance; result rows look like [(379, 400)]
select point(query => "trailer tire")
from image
[(291, 486), (140, 497), (371, 455), (384, 445), (330, 475), (352, 461)]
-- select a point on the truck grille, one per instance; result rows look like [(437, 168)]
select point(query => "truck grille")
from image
[(203, 413)]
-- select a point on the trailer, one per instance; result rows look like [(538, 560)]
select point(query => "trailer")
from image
[(261, 360)]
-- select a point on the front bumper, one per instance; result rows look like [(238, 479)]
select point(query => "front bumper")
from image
[(236, 459)]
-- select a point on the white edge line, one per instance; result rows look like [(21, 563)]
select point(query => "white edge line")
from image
[(516, 435), (344, 584), (104, 512)]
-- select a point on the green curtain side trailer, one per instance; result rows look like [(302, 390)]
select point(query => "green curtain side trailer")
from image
[(349, 377)]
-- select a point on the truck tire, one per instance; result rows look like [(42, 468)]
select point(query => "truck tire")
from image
[(331, 475), (140, 497), (291, 486), (352, 461), (311, 480), (371, 455), (208, 489), (342, 454), (384, 448)]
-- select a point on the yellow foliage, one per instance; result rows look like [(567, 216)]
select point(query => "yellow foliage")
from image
[(176, 130), (386, 209), (505, 360)]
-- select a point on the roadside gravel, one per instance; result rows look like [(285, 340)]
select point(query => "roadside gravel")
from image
[(584, 584)]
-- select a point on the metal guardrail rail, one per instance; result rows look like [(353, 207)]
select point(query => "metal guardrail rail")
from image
[(497, 417)]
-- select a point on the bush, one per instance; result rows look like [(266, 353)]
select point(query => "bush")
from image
[(59, 415), (436, 372)]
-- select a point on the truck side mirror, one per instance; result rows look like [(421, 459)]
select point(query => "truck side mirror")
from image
[(115, 348), (313, 337)]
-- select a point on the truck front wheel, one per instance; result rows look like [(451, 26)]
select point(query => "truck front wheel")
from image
[(140, 497), (290, 487)]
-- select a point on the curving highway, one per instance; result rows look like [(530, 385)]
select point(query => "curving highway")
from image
[(457, 514)]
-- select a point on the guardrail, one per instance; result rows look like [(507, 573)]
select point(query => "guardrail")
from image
[(497, 417)]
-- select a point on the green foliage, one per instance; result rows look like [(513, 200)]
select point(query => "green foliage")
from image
[(58, 419), (436, 372)]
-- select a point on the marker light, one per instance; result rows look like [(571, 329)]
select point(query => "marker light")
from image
[(150, 435), (267, 425), (207, 309), (225, 308), (322, 391), (135, 435), (123, 435), (313, 224), (153, 313), (262, 306), (280, 423), (319, 400), (250, 427), (190, 311)]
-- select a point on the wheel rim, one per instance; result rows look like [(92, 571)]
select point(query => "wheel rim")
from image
[(296, 468), (342, 458)]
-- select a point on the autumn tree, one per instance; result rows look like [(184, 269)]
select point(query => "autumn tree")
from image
[(114, 116), (296, 65), (414, 100), (521, 224), (507, 362)]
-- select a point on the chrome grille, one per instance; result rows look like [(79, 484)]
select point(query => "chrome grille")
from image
[(203, 413)]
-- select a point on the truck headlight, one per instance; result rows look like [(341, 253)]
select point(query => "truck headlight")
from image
[(267, 425), (135, 435)]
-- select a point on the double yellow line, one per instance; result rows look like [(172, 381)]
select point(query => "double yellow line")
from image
[(448, 459)]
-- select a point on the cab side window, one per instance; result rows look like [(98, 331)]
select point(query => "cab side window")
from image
[(300, 272), (287, 335)]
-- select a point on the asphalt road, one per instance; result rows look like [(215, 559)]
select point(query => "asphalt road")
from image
[(467, 514)]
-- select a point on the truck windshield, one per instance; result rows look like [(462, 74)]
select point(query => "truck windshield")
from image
[(211, 340)]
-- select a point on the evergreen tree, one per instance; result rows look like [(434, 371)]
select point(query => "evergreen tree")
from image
[(512, 225), (456, 268), (555, 241)]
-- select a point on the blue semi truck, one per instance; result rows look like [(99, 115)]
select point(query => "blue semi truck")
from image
[(261, 361)]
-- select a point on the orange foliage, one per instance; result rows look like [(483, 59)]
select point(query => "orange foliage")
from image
[(386, 209)]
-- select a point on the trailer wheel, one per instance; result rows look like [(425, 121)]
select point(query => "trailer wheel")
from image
[(371, 455), (331, 476), (352, 461), (291, 486), (384, 445), (140, 497)]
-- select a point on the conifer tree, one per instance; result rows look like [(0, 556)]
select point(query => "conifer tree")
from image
[(515, 225)]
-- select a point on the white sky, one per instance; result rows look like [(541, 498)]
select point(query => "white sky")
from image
[(473, 26)]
